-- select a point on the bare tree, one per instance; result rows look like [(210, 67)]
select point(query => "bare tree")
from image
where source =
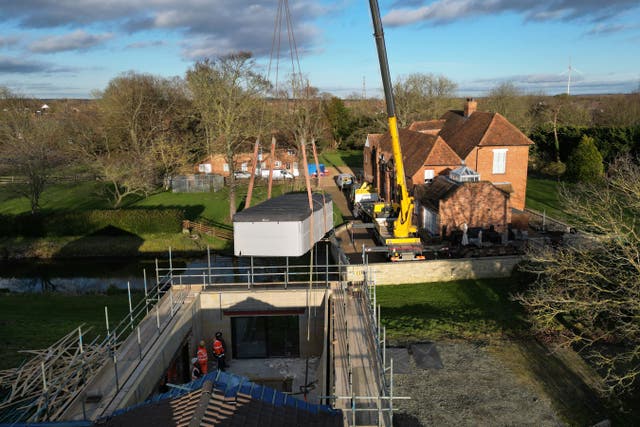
[(133, 140), (510, 101), (32, 146), (588, 291), (422, 96), (227, 95)]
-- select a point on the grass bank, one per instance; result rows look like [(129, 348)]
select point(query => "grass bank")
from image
[(470, 309), (542, 196), (481, 311), (35, 321)]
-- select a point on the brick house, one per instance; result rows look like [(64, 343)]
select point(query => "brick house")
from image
[(426, 155), (285, 159), (485, 142), (448, 202)]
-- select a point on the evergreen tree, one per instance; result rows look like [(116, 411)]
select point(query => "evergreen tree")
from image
[(585, 163)]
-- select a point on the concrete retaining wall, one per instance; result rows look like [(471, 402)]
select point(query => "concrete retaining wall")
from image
[(435, 270)]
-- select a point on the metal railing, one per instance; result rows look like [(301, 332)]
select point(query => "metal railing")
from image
[(252, 273), (375, 335)]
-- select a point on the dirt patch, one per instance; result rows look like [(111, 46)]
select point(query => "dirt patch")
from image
[(474, 388)]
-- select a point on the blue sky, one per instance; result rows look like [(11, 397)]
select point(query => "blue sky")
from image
[(70, 48)]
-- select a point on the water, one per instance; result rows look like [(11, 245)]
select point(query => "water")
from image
[(97, 275)]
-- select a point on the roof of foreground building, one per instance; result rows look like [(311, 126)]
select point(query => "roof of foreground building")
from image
[(224, 399)]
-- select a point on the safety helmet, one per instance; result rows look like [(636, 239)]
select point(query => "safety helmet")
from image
[(194, 360), (218, 335), (202, 343)]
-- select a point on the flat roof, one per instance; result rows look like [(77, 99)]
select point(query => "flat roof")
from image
[(288, 207)]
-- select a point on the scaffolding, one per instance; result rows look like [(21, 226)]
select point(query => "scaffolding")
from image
[(47, 384), (362, 377)]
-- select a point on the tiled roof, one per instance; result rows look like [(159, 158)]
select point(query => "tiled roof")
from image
[(504, 186), (227, 400), (463, 134), (442, 155), (430, 194), (443, 187), (417, 149), (427, 126), (374, 139)]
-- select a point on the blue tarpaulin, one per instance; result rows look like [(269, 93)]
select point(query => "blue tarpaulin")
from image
[(312, 168)]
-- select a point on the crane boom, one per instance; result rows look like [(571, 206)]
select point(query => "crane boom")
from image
[(403, 226)]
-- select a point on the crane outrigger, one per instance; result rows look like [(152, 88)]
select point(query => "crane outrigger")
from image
[(397, 235)]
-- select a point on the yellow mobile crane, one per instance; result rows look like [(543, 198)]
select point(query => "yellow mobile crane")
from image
[(397, 235)]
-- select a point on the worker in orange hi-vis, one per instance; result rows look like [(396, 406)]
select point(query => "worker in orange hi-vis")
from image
[(203, 357), (218, 350)]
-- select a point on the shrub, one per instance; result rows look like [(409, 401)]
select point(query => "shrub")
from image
[(555, 169), (585, 163)]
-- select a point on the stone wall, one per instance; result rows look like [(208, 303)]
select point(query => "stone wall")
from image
[(435, 270)]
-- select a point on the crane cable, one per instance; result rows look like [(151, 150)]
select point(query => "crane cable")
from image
[(284, 14)]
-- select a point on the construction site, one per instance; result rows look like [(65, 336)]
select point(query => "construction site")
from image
[(304, 343)]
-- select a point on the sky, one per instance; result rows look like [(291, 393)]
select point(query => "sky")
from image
[(73, 48)]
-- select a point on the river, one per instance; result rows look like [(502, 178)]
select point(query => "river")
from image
[(98, 275)]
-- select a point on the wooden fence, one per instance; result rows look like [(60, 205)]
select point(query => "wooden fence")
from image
[(220, 232)]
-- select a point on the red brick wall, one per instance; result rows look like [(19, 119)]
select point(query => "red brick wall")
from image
[(478, 204), (418, 178), (217, 161), (481, 160)]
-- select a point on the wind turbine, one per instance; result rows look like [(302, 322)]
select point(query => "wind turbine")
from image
[(569, 70)]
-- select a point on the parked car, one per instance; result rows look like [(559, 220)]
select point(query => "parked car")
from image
[(344, 180), (241, 175), (277, 174)]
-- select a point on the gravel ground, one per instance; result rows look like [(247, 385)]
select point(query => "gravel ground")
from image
[(472, 389)]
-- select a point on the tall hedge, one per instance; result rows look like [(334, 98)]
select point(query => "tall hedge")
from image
[(610, 141), (135, 221)]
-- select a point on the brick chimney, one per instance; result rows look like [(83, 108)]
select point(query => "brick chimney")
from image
[(470, 107)]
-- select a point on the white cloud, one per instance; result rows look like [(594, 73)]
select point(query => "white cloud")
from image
[(406, 12), (78, 40), (226, 24)]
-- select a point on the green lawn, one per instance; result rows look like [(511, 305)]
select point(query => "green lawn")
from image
[(60, 197), (207, 207), (35, 321), (87, 195), (542, 196), (335, 159), (474, 309)]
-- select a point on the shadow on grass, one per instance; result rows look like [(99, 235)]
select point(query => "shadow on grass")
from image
[(107, 241), (575, 401)]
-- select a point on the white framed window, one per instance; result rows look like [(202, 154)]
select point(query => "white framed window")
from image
[(263, 165), (204, 167), (428, 175), (225, 167), (244, 167), (499, 160), (277, 164), (290, 152)]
